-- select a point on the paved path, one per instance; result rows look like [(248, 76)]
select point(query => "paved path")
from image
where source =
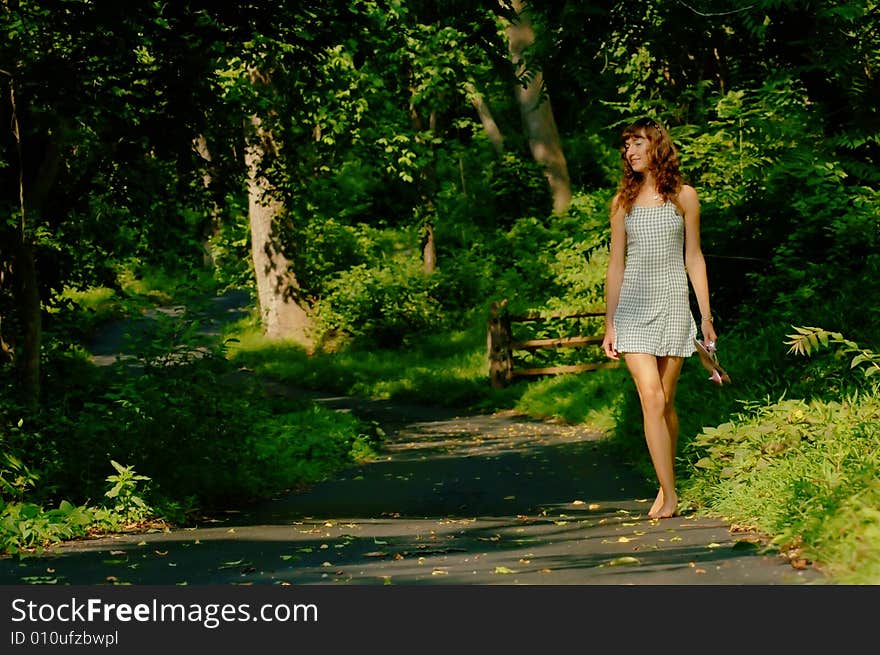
[(454, 499)]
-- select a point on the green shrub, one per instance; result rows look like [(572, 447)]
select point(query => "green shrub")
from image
[(382, 305), (805, 473)]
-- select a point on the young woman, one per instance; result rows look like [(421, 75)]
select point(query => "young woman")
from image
[(655, 248)]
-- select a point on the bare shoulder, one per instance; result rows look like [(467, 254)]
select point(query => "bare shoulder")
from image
[(688, 194), (688, 198)]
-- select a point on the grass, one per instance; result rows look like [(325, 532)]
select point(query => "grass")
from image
[(446, 369)]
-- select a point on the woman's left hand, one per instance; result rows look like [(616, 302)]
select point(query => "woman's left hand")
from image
[(708, 331)]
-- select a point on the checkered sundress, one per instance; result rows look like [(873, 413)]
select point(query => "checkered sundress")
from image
[(653, 313)]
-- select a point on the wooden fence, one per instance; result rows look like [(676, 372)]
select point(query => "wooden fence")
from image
[(503, 365)]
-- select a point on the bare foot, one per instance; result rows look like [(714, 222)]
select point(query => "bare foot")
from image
[(658, 503), (666, 509)]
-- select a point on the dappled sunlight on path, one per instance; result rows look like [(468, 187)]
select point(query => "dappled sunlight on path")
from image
[(452, 499)]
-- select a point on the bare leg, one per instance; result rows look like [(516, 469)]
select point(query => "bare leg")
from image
[(645, 370), (670, 369)]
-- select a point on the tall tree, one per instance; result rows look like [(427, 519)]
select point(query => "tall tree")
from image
[(282, 309), (537, 113)]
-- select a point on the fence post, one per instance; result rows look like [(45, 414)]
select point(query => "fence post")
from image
[(500, 340)]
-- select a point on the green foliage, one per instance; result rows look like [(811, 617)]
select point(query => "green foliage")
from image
[(128, 506), (809, 339), (15, 477), (557, 262), (448, 368), (385, 304), (806, 473), (27, 526)]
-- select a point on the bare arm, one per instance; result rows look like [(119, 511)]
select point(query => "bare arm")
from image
[(614, 275), (694, 260)]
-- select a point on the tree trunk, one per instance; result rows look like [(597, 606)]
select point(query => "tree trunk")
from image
[(26, 290), (537, 113), (212, 227), (283, 314), (27, 300), (429, 248), (427, 189), (486, 118), (499, 345), (7, 352)]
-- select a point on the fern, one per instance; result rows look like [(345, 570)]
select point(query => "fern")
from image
[(809, 339)]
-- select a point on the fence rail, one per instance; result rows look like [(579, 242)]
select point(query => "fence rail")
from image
[(503, 365)]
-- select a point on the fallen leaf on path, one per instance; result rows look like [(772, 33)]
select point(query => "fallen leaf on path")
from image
[(623, 561), (713, 545), (376, 553), (578, 502), (230, 565), (593, 506), (439, 572), (623, 540), (503, 570)]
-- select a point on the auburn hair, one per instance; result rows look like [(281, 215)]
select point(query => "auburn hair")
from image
[(664, 164)]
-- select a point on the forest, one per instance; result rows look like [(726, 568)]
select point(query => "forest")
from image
[(375, 174)]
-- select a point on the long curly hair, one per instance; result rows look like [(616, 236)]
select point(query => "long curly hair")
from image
[(664, 164)]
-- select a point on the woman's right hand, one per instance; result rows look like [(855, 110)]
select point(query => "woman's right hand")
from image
[(608, 344)]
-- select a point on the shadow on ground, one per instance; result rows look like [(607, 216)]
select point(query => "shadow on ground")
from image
[(453, 499)]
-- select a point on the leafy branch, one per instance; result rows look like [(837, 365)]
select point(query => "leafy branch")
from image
[(809, 339)]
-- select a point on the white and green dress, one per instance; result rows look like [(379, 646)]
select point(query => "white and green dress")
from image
[(653, 312)]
